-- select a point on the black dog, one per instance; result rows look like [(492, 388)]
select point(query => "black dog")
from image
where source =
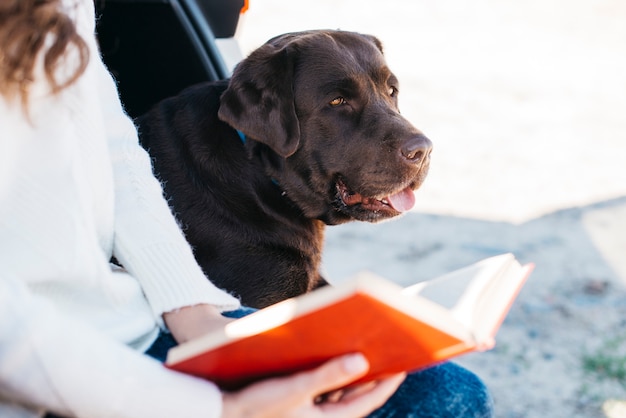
[(306, 133)]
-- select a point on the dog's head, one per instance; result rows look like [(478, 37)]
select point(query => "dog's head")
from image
[(322, 110)]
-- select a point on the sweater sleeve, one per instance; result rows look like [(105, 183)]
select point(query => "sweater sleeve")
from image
[(52, 362), (148, 241)]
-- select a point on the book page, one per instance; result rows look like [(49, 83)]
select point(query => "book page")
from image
[(494, 303), (460, 290), (445, 290)]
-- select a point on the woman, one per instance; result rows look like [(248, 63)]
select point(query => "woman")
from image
[(75, 190)]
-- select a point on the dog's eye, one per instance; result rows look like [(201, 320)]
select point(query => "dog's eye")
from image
[(337, 101), (393, 91)]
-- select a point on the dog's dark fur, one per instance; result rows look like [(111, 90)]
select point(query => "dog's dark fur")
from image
[(324, 144)]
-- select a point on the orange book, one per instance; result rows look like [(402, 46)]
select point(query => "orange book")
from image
[(397, 329)]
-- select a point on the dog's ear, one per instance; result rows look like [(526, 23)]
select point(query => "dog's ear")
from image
[(259, 100), (376, 42)]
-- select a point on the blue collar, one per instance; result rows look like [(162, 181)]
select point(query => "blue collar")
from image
[(242, 136)]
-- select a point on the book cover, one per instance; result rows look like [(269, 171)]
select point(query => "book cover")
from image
[(396, 329)]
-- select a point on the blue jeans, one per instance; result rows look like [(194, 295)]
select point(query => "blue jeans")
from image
[(443, 391)]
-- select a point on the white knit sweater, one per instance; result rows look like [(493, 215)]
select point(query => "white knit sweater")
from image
[(75, 189)]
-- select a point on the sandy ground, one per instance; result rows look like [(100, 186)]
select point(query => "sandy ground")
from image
[(526, 105)]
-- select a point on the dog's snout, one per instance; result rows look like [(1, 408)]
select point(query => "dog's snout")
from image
[(416, 149)]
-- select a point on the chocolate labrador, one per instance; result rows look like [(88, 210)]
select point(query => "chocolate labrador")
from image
[(306, 133)]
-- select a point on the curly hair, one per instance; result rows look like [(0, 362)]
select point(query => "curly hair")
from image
[(31, 27)]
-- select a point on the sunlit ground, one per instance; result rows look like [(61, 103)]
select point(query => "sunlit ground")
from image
[(614, 408)]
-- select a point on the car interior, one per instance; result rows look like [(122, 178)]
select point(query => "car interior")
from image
[(155, 48)]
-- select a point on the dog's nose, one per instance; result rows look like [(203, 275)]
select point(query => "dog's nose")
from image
[(416, 149)]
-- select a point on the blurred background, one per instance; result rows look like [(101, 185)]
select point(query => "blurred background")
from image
[(525, 103)]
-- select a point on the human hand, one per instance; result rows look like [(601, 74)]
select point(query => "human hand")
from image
[(194, 321), (295, 396)]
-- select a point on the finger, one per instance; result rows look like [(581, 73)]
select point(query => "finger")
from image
[(365, 402), (335, 373), (285, 393), (384, 388), (354, 391), (346, 393), (333, 396)]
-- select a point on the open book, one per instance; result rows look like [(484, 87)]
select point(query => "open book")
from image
[(397, 329)]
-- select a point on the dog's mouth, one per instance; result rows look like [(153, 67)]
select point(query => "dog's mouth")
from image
[(378, 207)]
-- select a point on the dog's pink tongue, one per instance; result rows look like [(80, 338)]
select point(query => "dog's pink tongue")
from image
[(403, 200)]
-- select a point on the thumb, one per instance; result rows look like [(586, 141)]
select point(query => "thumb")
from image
[(337, 373)]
